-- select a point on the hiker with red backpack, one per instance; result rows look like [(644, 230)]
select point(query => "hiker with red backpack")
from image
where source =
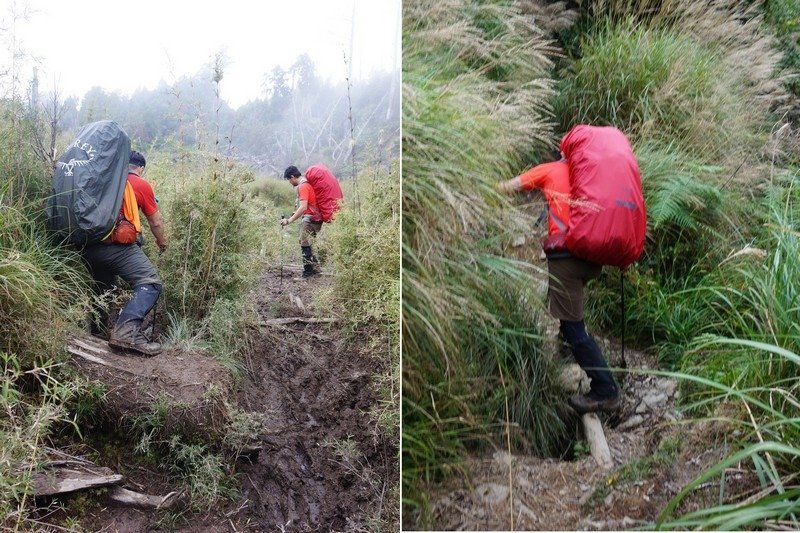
[(318, 199), (596, 217)]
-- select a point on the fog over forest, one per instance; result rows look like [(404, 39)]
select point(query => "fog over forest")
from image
[(299, 118)]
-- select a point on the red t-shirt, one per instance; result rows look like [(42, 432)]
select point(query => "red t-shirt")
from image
[(306, 192), (553, 180), (145, 197)]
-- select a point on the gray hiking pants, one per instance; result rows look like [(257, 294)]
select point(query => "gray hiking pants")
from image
[(128, 261)]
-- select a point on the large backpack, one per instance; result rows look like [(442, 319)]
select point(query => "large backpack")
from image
[(607, 220), (327, 190), (88, 184)]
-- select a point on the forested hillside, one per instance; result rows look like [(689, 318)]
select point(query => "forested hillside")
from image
[(706, 436), (299, 116)]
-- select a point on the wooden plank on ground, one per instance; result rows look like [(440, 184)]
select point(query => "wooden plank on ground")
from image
[(593, 430), (300, 319), (62, 479), (97, 360), (87, 346)]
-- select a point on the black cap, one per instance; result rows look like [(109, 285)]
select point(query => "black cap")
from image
[(291, 172), (137, 159)]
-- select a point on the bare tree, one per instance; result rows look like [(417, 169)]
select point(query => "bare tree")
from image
[(47, 126), (220, 62), (352, 136)]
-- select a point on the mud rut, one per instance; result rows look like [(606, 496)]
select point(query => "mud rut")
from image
[(323, 467)]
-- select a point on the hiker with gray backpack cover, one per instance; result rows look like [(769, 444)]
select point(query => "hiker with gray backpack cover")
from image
[(97, 194)]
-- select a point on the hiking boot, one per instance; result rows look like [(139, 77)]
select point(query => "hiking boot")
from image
[(591, 403), (128, 336)]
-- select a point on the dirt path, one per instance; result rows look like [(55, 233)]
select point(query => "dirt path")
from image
[(655, 454), (654, 457), (323, 464)]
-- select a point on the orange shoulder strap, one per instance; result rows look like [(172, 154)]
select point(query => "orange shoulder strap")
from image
[(130, 209)]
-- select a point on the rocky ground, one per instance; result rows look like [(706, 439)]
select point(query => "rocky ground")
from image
[(653, 458), (655, 454)]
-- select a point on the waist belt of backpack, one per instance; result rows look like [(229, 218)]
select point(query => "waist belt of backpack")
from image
[(559, 254)]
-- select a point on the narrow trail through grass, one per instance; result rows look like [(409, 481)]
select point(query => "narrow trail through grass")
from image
[(655, 454)]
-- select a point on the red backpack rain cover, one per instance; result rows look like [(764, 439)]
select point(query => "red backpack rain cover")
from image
[(607, 220), (326, 188)]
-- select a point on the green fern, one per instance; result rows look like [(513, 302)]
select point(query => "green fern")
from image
[(685, 203), (681, 194)]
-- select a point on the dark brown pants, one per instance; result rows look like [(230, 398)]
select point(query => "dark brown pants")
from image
[(568, 277)]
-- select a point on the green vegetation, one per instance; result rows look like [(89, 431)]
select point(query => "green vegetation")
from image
[(472, 347), (222, 228), (707, 94), (363, 246)]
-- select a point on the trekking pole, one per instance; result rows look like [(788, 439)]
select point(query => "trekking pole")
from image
[(283, 234), (622, 294)]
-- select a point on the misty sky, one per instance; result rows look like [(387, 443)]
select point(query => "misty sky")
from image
[(124, 46)]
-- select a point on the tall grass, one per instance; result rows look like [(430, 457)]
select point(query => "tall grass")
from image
[(770, 428), (364, 249), (44, 290), (758, 299), (662, 81), (475, 104), (674, 77)]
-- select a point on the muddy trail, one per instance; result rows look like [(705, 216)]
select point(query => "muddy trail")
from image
[(319, 461), (655, 454), (324, 466)]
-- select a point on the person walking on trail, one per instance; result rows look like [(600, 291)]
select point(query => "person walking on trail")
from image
[(310, 218), (109, 258), (568, 277)]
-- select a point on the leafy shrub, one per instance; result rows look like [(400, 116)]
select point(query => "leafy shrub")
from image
[(211, 239), (227, 330), (365, 251)]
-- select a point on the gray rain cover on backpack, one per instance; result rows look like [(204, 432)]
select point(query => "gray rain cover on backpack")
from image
[(88, 184)]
